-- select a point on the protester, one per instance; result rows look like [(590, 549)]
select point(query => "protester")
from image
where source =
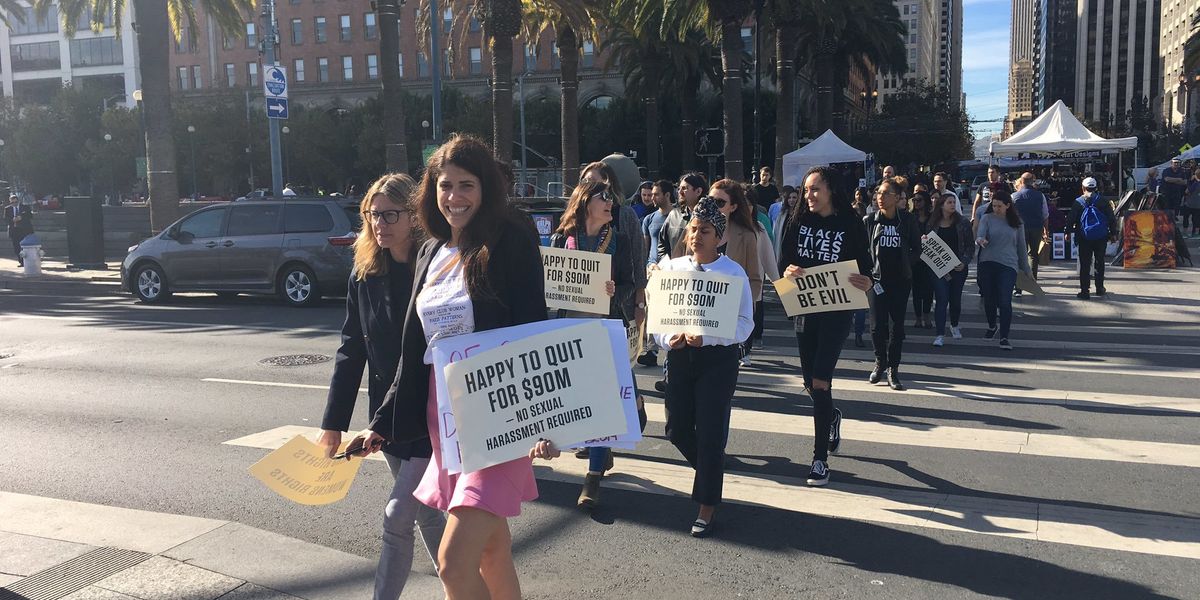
[(663, 195), (703, 370), (587, 225), (1002, 252), (1191, 204), (765, 192), (955, 230), (1034, 211), (376, 298), (1173, 185), (1091, 224), (18, 220), (642, 202), (895, 240), (861, 202), (787, 199), (823, 229), (1152, 180), (632, 297), (671, 236), (480, 270), (940, 181), (983, 195), (921, 208), (740, 242)]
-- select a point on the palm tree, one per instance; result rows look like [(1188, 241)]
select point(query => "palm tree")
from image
[(785, 15), (11, 9), (501, 20), (573, 22), (156, 20), (393, 107)]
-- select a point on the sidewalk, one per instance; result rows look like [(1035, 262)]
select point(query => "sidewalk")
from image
[(54, 271), (58, 549)]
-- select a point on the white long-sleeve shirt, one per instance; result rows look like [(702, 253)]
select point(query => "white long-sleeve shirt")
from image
[(725, 266)]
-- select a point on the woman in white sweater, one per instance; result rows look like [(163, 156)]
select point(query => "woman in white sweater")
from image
[(702, 370)]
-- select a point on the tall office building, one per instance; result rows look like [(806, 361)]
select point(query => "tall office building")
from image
[(1022, 46), (1054, 51), (1116, 57), (1175, 27), (921, 42), (950, 40), (38, 60)]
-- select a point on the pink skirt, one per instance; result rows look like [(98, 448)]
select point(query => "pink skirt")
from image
[(499, 489)]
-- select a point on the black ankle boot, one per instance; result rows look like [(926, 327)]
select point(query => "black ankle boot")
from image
[(894, 379)]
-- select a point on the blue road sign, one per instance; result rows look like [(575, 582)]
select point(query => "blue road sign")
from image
[(275, 84), (277, 108)]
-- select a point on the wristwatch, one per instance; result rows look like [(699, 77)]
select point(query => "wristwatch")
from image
[(641, 305)]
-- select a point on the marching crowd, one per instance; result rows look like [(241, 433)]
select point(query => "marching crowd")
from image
[(449, 256)]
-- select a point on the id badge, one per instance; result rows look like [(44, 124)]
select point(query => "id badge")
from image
[(878, 289)]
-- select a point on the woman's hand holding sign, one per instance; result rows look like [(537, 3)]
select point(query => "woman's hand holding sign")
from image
[(677, 341), (366, 443), (544, 449), (793, 272), (610, 288), (694, 341)]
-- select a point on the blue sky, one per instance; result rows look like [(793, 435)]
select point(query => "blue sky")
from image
[(986, 25)]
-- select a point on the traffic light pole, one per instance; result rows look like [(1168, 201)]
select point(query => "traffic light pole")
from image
[(269, 40)]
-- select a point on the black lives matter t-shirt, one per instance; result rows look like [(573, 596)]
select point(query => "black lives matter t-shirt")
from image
[(818, 240)]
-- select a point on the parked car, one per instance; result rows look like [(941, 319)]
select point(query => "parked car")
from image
[(298, 249), (259, 194)]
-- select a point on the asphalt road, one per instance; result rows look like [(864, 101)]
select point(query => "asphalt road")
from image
[(1067, 468)]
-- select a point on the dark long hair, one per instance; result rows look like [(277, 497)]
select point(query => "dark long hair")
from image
[(1001, 193), (574, 219), (491, 218), (743, 213), (832, 180)]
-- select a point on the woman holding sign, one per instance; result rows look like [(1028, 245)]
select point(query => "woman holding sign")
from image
[(823, 229), (587, 225), (376, 298), (480, 270), (702, 370), (954, 229)]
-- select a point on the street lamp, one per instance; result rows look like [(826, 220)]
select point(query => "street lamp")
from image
[(2, 167), (287, 163), (112, 182), (192, 143)]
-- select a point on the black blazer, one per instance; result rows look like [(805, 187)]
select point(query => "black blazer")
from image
[(370, 336), (518, 285), (26, 223)]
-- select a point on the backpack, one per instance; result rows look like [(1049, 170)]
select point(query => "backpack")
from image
[(1091, 223)]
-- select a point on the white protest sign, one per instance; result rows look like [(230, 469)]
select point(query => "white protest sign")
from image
[(821, 289), (454, 349), (940, 258), (693, 302), (559, 385), (575, 279)]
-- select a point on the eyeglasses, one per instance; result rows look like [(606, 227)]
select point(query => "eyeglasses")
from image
[(719, 202), (391, 217), (602, 197)]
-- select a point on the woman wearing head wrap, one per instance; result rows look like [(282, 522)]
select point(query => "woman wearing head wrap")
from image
[(702, 370)]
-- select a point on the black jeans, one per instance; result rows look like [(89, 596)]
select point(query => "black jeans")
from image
[(820, 346), (922, 289), (888, 333), (1091, 251), (15, 237), (1033, 241), (700, 386)]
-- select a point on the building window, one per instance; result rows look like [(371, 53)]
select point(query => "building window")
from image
[(184, 42), (446, 62), (347, 68), (530, 58), (182, 78), (319, 29), (476, 61), (372, 32), (252, 74), (372, 66), (447, 20), (344, 28), (226, 42), (196, 82), (298, 69), (33, 24), (322, 69), (422, 65), (35, 57), (230, 75), (400, 64), (589, 55), (251, 36), (747, 39), (906, 9), (297, 32), (93, 52), (475, 25), (555, 59)]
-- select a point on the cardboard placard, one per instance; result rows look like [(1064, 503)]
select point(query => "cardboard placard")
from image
[(575, 279), (938, 255), (1026, 283), (821, 289), (559, 385), (694, 302), (300, 472), (450, 350)]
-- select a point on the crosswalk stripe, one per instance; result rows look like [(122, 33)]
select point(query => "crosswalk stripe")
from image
[(780, 324), (1098, 347), (1095, 528), (933, 436)]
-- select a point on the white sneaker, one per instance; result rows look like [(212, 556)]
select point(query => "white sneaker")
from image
[(745, 360), (956, 333), (939, 341)]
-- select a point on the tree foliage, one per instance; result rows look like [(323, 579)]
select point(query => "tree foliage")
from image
[(919, 125)]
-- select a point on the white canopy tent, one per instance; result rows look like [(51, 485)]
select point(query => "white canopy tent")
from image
[(826, 149), (1057, 131)]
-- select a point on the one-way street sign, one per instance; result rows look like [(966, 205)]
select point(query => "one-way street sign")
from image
[(277, 108)]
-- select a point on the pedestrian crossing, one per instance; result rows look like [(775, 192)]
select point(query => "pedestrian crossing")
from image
[(1078, 378)]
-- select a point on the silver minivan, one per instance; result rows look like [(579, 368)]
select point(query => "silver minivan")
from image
[(298, 249)]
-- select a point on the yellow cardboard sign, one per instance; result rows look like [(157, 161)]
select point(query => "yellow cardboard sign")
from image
[(300, 472)]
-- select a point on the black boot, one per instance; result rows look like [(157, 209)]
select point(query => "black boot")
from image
[(894, 379), (876, 374)]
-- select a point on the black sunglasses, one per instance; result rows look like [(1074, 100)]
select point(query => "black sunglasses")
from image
[(391, 217)]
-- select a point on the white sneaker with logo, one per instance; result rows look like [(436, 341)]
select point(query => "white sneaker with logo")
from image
[(956, 333), (939, 341)]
